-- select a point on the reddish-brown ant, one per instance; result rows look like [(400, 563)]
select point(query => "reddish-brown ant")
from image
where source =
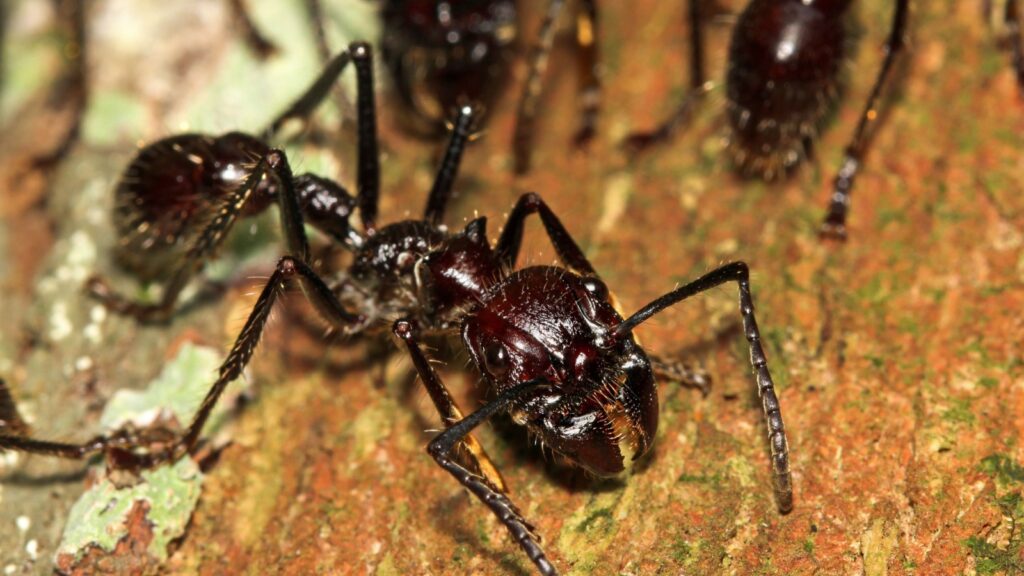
[(442, 54), (549, 341), (785, 63)]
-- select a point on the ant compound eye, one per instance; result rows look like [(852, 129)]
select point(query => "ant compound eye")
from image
[(496, 359), (595, 287)]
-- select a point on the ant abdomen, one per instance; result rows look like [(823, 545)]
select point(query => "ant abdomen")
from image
[(784, 73), (169, 185)]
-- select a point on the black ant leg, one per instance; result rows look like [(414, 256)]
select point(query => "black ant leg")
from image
[(462, 130), (316, 16), (70, 451), (834, 225), (255, 39), (11, 421), (739, 273), (681, 372), (121, 443), (471, 453), (699, 86), (445, 449), (315, 11), (527, 110), (275, 165), (512, 236), (313, 96), (590, 79), (13, 432), (1013, 36), (70, 90), (316, 291), (368, 176)]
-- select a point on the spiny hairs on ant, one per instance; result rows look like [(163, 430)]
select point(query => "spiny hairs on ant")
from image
[(557, 355)]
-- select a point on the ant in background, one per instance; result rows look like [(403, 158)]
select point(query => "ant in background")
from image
[(784, 73), (441, 55), (1011, 36), (558, 356)]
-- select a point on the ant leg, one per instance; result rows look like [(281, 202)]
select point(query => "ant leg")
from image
[(590, 78), (368, 175), (681, 372), (512, 236), (462, 130), (527, 110), (441, 447), (470, 453), (639, 141), (1013, 36), (66, 450), (13, 432), (313, 96), (11, 421), (834, 225), (274, 165), (288, 269), (316, 16), (317, 292), (256, 41), (445, 449), (69, 92), (739, 273)]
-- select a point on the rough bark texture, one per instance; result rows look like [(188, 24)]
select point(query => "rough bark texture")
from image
[(898, 355)]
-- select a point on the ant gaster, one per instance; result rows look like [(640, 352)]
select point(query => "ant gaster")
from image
[(550, 344), (784, 71)]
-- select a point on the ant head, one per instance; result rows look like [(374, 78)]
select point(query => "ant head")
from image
[(601, 409)]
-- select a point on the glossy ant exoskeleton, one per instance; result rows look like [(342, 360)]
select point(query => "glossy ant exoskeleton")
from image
[(172, 183), (784, 72), (441, 55), (549, 341)]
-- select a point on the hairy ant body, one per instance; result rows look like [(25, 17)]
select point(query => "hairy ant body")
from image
[(784, 72), (175, 182), (548, 340)]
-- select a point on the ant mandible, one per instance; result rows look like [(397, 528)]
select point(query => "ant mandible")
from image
[(548, 340), (785, 62)]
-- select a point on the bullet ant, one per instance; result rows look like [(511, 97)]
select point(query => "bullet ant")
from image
[(441, 55), (785, 63), (548, 340)]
